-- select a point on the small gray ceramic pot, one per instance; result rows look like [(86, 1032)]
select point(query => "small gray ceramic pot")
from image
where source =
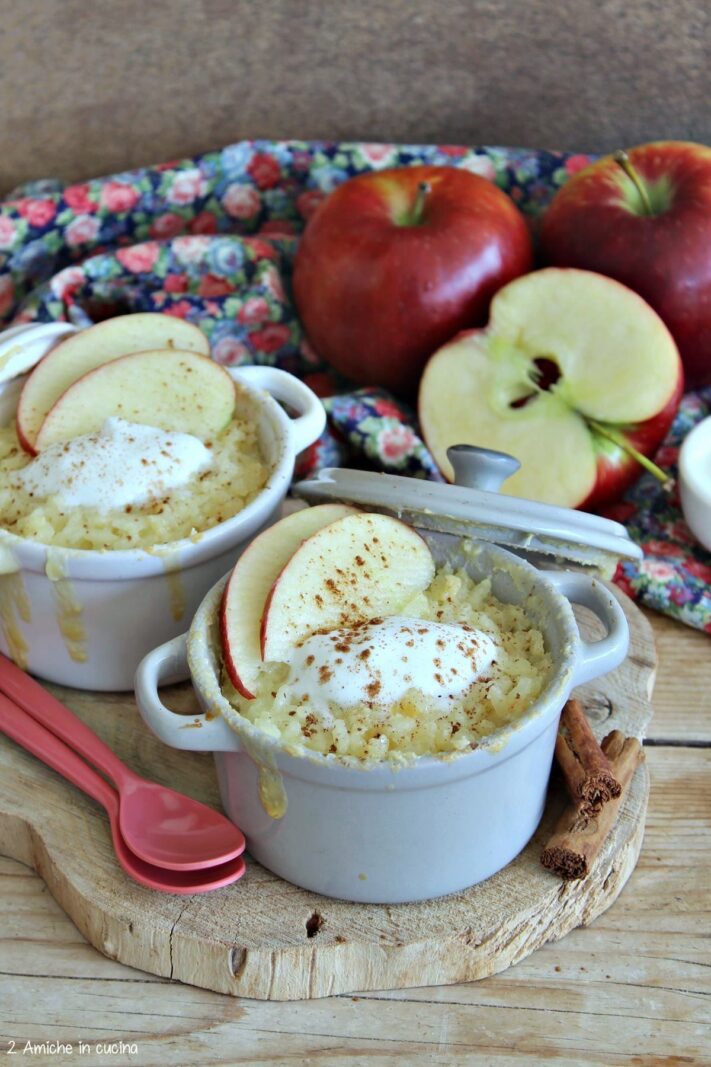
[(378, 834)]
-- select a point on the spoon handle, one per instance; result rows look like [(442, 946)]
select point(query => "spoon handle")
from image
[(33, 698), (33, 737)]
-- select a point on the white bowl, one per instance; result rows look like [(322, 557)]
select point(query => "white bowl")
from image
[(85, 618), (695, 481), (378, 834)]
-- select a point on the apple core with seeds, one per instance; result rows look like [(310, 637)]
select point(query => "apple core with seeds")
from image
[(575, 375)]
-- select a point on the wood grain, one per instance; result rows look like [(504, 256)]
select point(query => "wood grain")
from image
[(682, 694), (631, 989), (267, 939)]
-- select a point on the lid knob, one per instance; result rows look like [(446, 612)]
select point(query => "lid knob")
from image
[(481, 468)]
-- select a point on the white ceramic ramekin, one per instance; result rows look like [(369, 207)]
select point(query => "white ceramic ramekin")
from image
[(377, 834), (695, 481), (84, 618)]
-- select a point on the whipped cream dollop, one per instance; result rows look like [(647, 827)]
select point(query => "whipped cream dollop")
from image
[(123, 463), (378, 661)]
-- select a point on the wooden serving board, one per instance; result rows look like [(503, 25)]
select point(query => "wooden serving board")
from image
[(265, 938)]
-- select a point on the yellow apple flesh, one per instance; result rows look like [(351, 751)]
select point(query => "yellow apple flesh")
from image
[(614, 363), (166, 389), (359, 568), (252, 578), (89, 349)]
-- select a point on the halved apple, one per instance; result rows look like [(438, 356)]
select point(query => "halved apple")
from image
[(358, 568), (91, 348), (167, 389), (249, 584), (575, 375)]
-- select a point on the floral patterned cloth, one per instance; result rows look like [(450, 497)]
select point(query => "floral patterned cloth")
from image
[(212, 240), (675, 574)]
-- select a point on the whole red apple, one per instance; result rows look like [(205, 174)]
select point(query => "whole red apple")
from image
[(644, 218), (394, 263)]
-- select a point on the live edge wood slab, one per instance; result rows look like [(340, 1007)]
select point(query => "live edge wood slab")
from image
[(266, 939)]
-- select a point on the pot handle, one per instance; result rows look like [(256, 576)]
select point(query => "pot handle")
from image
[(199, 733), (310, 421), (596, 657)]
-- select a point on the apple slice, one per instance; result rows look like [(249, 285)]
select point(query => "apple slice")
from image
[(356, 569), (248, 587), (88, 349), (575, 375), (167, 389)]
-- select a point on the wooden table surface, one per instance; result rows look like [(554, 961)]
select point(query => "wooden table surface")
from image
[(633, 988)]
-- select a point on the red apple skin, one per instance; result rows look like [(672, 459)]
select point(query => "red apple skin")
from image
[(595, 222), (263, 620), (378, 294), (230, 664), (615, 478), (25, 445), (616, 475)]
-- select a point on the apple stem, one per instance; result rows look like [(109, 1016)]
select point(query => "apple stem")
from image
[(423, 189), (623, 160), (619, 440)]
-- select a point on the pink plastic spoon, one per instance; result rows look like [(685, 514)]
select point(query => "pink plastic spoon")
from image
[(159, 825), (33, 737)]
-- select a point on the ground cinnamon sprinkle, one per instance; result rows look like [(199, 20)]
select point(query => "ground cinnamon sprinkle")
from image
[(415, 724), (308, 728)]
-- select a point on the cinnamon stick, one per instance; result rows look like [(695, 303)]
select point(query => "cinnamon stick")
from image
[(586, 768), (579, 836)]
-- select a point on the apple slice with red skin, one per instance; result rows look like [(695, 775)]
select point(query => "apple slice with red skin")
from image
[(166, 389), (359, 568), (569, 359), (247, 589), (88, 349)]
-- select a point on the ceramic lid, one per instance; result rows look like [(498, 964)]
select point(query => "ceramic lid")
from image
[(473, 507)]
